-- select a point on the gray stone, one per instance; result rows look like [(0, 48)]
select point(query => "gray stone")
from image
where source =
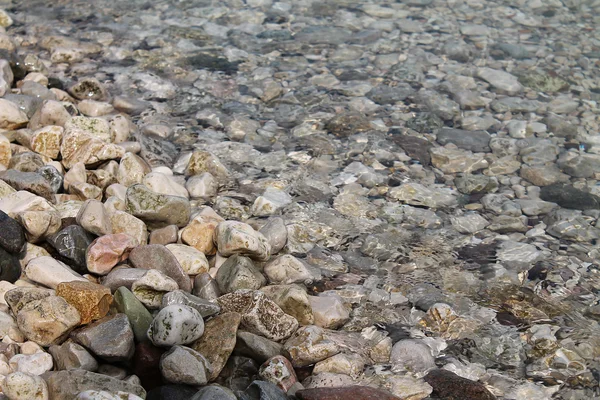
[(176, 324), (475, 141), (256, 347), (239, 272), (184, 365), (66, 385), (71, 355), (110, 338), (156, 256), (204, 307), (412, 355)]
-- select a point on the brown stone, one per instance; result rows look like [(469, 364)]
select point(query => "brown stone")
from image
[(218, 341), (449, 386), (90, 299), (200, 235), (345, 393)]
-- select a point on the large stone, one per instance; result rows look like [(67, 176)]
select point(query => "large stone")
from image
[(204, 307), (80, 146), (256, 347), (47, 141), (10, 267), (475, 141), (412, 355), (156, 256), (176, 324), (151, 287), (239, 272), (47, 321), (260, 315), (24, 386), (132, 170), (124, 277), (109, 338), (568, 196), (279, 371), (139, 317), (30, 181), (448, 385), (66, 385), (184, 365), (50, 272), (123, 222), (94, 218), (233, 237), (90, 299), (192, 261), (293, 300), (203, 161), (418, 195), (218, 341), (72, 243), (157, 210), (287, 269), (104, 253)]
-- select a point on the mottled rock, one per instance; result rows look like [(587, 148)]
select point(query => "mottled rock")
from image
[(293, 300), (66, 385), (71, 355), (91, 300), (308, 345), (350, 392), (176, 324), (156, 256), (24, 386), (157, 210), (239, 272), (109, 338), (184, 365), (192, 261), (329, 311), (151, 287), (218, 341), (288, 269), (47, 321), (256, 347), (233, 237), (448, 385), (204, 307)]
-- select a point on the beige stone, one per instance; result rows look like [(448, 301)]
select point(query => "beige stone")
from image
[(80, 146), (47, 141), (50, 113), (93, 218), (11, 116), (47, 321), (123, 222), (132, 170), (192, 261), (5, 151)]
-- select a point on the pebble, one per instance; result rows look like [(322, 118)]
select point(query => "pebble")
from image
[(204, 307), (287, 269), (151, 287), (184, 365), (109, 338), (71, 355), (278, 370), (33, 364), (329, 311), (139, 317), (159, 257), (412, 355), (308, 345), (233, 237), (293, 300), (50, 272), (239, 272), (47, 321), (64, 385), (176, 324), (25, 386), (91, 300), (354, 392), (192, 261), (256, 347), (106, 251), (155, 209), (447, 384)]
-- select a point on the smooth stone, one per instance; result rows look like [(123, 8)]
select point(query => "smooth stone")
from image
[(50, 272), (308, 345), (93, 217), (72, 243), (24, 386), (275, 233), (139, 317), (200, 232), (412, 355), (203, 186), (11, 116), (260, 315), (66, 385), (202, 161), (287, 269), (88, 89), (105, 252), (452, 160), (218, 341), (327, 379), (51, 112), (475, 141), (10, 329), (176, 324), (192, 261), (500, 79), (10, 267), (256, 347), (165, 236), (261, 390), (91, 300), (123, 222), (239, 272), (34, 364), (157, 210), (447, 385), (47, 321), (469, 223), (204, 307), (163, 184), (109, 338), (293, 300), (350, 392), (348, 364), (271, 202), (151, 288), (159, 257), (12, 236), (206, 287), (80, 146), (568, 196), (214, 392), (122, 277), (279, 371), (27, 161), (146, 364), (184, 365), (545, 175), (329, 311), (71, 355), (233, 237), (105, 395), (132, 170)]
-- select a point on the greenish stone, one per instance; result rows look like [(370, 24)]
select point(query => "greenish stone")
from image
[(544, 82), (139, 317)]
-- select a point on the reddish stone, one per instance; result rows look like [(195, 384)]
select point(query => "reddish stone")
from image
[(279, 370), (345, 393), (107, 251)]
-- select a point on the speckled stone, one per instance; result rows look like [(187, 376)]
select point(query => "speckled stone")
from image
[(90, 299), (176, 324)]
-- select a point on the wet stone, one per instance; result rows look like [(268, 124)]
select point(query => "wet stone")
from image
[(176, 324), (354, 392), (568, 196), (448, 385), (259, 390)]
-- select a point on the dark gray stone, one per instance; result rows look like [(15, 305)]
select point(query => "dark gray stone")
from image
[(568, 196), (12, 236), (475, 141), (71, 243), (110, 338)]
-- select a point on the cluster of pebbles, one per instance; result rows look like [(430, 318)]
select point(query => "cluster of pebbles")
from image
[(268, 200)]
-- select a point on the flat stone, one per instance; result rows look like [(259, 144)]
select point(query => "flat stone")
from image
[(218, 341), (139, 317), (568, 196), (204, 307), (184, 365), (452, 160), (475, 141), (50, 272), (203, 161), (500, 79), (412, 355), (308, 345), (11, 117), (545, 175), (287, 269), (260, 315), (164, 184), (448, 385), (109, 338), (256, 347), (192, 261), (239, 272), (176, 324), (155, 256), (105, 252), (71, 355), (342, 363), (419, 195), (151, 287), (34, 364), (122, 277), (66, 385), (157, 210), (233, 237), (90, 299), (47, 321), (327, 379), (350, 392)]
